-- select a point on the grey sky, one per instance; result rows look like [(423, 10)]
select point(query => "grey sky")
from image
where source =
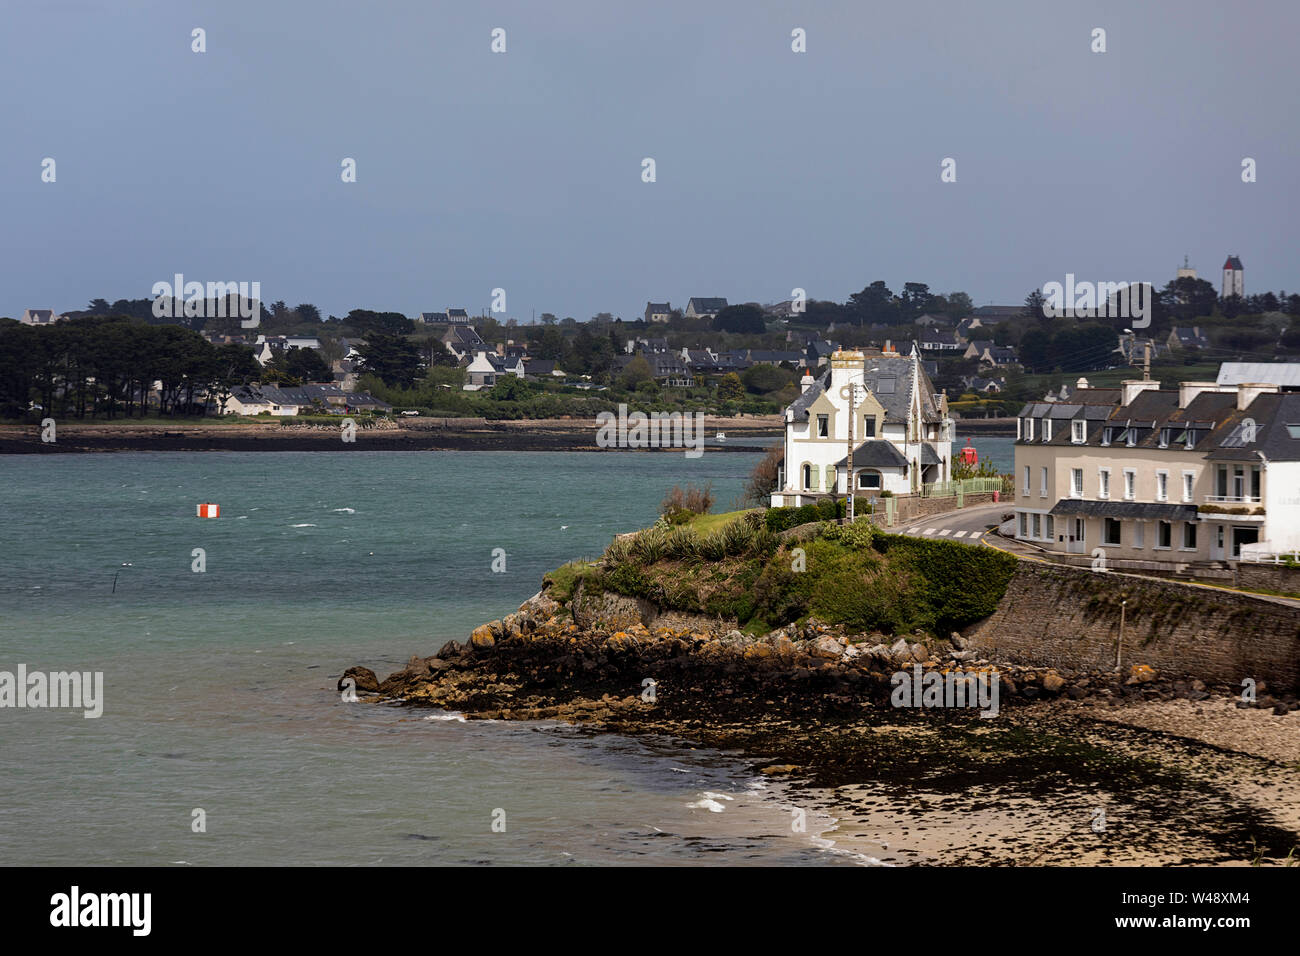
[(523, 170)]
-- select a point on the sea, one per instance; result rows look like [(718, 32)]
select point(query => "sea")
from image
[(223, 739)]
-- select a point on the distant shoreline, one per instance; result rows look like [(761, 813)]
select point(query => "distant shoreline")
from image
[(402, 435), (426, 434)]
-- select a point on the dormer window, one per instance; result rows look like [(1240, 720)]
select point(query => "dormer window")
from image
[(1077, 432), (1164, 438), (1047, 429), (1107, 434), (1029, 429), (1131, 437)]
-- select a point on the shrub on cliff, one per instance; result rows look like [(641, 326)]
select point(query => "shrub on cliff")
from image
[(763, 479), (962, 584), (853, 575), (680, 504), (783, 519)]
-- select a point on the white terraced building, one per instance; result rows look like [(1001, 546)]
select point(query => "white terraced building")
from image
[(902, 434)]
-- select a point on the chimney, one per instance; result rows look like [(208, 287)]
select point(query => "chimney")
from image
[(846, 366), (1247, 392), (806, 382), (1187, 391), (1081, 383), (1133, 387)]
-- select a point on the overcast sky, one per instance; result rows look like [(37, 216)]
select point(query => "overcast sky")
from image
[(523, 170)]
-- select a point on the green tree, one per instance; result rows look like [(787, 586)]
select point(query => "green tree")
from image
[(635, 372), (915, 301), (741, 319), (306, 365), (365, 322), (873, 304), (959, 305), (760, 379), (730, 387), (392, 358)]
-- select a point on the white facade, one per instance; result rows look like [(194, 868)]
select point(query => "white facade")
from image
[(234, 406), (488, 368), (1282, 505), (902, 436)]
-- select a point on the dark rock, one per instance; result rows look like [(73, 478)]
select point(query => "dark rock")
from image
[(363, 676)]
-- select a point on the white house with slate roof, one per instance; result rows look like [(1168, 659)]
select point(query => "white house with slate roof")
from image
[(488, 368), (902, 434)]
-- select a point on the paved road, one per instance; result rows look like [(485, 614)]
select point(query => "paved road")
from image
[(967, 525), (971, 525)]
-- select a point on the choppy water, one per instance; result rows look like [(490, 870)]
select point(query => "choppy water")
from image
[(219, 686)]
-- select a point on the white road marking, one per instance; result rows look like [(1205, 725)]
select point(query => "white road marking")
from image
[(959, 534), (929, 531), (945, 531)]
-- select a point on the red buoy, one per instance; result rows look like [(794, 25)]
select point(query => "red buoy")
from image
[(209, 511)]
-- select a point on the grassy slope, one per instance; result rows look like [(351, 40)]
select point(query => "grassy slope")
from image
[(857, 576)]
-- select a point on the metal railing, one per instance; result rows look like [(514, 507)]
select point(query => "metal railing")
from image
[(1252, 556), (963, 486)]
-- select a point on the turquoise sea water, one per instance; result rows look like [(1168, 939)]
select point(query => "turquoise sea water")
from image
[(219, 686)]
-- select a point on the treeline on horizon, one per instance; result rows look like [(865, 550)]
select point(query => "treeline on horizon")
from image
[(92, 367), (102, 360)]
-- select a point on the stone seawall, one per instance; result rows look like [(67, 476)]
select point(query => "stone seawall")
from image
[(1070, 617), (1267, 577)]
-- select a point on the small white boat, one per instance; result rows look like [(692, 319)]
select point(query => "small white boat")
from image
[(721, 436)]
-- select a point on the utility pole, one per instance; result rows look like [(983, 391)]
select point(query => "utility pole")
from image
[(1146, 361), (850, 392)]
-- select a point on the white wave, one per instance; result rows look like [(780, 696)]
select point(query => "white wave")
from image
[(304, 526), (452, 716), (350, 511), (711, 805)]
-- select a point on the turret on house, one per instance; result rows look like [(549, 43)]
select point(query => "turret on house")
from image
[(902, 433)]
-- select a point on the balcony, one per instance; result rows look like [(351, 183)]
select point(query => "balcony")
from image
[(1232, 499)]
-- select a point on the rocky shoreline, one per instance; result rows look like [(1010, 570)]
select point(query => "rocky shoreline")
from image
[(811, 707), (548, 660)]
